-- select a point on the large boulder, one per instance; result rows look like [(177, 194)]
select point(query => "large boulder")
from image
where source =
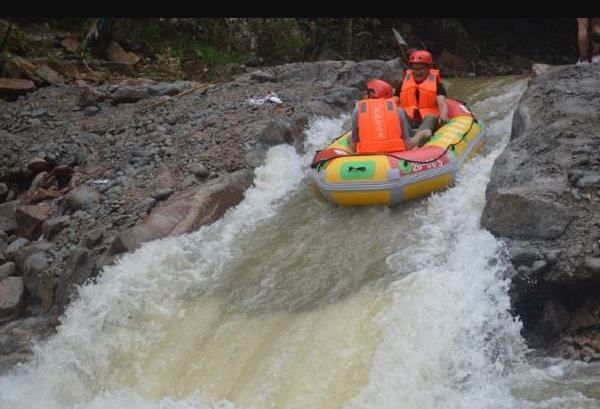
[(184, 212), (543, 200), (11, 297), (30, 218), (78, 269)]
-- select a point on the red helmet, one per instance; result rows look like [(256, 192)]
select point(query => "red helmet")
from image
[(421, 56), (381, 89)]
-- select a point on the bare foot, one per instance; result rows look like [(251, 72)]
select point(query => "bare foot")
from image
[(422, 136)]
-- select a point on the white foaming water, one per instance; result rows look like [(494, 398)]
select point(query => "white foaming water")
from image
[(125, 309)]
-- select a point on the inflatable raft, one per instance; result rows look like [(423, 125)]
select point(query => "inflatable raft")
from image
[(350, 179)]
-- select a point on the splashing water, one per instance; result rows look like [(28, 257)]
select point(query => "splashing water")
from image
[(290, 302)]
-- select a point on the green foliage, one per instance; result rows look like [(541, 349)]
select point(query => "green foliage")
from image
[(213, 56), (279, 39), (14, 39)]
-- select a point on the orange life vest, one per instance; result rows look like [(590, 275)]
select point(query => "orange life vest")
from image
[(427, 103), (379, 129)]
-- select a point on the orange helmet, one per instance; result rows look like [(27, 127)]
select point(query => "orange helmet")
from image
[(421, 56), (381, 89)]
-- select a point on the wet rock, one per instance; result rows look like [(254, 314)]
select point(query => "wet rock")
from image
[(523, 254), (30, 218), (319, 107), (78, 269), (585, 317), (184, 212), (277, 131), (82, 198), (3, 190), (554, 319), (517, 214), (53, 225), (542, 192), (187, 211), (131, 239), (16, 340), (11, 297)]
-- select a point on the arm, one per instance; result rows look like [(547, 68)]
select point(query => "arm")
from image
[(354, 137), (443, 106)]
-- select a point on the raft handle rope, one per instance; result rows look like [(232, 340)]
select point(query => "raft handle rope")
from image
[(451, 146)]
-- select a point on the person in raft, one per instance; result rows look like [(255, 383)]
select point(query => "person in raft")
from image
[(379, 124), (422, 95)]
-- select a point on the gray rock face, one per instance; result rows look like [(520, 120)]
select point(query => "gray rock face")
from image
[(78, 269), (277, 131), (543, 199), (522, 214)]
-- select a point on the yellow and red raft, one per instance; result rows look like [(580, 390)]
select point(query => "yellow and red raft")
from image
[(350, 179)]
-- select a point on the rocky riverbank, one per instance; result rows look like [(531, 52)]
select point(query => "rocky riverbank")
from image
[(91, 171), (544, 201)]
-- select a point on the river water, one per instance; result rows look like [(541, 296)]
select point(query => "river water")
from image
[(291, 302)]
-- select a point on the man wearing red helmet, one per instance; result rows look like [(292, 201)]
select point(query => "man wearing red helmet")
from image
[(377, 122), (422, 95)]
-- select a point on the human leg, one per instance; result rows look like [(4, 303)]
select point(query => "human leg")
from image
[(595, 38), (583, 39), (405, 124)]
